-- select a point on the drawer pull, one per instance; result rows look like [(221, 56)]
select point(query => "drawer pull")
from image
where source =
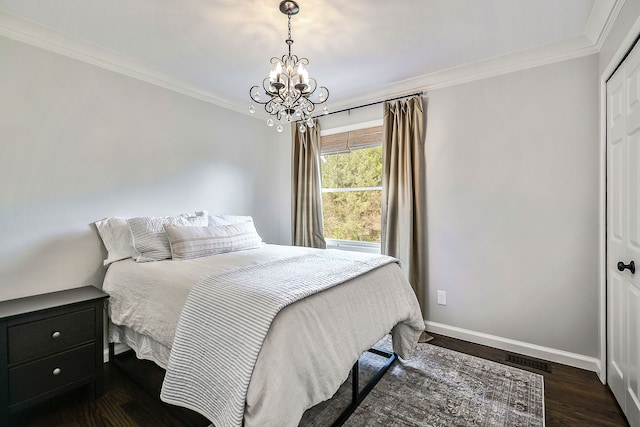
[(57, 371), (55, 335)]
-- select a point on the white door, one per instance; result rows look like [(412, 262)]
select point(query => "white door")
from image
[(623, 236)]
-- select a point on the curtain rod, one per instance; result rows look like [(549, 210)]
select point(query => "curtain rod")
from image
[(371, 103)]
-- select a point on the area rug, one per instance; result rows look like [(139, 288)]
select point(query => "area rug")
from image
[(439, 387)]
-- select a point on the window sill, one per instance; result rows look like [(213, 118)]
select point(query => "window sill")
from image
[(352, 245)]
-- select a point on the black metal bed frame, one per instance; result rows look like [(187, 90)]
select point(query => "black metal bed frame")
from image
[(357, 395)]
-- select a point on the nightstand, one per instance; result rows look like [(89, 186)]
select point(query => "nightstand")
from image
[(49, 344)]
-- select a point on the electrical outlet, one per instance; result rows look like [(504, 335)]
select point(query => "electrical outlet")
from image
[(442, 297)]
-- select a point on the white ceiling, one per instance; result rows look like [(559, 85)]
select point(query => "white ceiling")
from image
[(362, 50)]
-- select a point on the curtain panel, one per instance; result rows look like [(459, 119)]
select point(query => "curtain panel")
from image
[(404, 226), (307, 228)]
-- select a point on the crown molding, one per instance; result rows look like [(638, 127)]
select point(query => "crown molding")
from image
[(543, 55), (603, 16), (25, 31), (600, 22)]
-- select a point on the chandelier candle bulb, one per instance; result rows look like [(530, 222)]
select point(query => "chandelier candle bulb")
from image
[(304, 75), (289, 90), (278, 71)]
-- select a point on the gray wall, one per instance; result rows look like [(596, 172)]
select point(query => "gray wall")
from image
[(513, 202), (79, 143)]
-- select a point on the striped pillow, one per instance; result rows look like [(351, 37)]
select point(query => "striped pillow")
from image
[(149, 239), (194, 242)]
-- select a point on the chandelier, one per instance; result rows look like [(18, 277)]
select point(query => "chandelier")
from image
[(289, 91)]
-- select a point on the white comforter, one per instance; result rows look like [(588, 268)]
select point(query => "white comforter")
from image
[(311, 345)]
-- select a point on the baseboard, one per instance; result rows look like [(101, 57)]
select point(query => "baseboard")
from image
[(520, 347), (118, 348)]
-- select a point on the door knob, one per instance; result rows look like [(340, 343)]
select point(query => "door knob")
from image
[(631, 266)]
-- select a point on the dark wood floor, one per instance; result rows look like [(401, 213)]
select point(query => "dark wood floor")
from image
[(573, 397)]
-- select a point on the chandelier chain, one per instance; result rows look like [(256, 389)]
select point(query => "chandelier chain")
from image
[(289, 39)]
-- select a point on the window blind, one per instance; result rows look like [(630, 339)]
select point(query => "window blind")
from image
[(345, 142)]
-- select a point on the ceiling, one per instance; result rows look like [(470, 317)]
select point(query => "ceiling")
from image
[(362, 50)]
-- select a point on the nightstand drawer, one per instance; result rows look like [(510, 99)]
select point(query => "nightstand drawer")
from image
[(33, 379), (43, 337)]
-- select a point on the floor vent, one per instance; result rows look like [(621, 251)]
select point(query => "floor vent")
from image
[(529, 363)]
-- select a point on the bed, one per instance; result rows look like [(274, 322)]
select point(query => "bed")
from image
[(310, 345)]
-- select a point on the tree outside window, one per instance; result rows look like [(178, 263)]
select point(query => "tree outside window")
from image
[(352, 186)]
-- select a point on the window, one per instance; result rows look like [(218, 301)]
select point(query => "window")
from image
[(352, 187)]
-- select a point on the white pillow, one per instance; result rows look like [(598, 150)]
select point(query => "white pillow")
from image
[(116, 236), (148, 238), (228, 219), (194, 242)]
